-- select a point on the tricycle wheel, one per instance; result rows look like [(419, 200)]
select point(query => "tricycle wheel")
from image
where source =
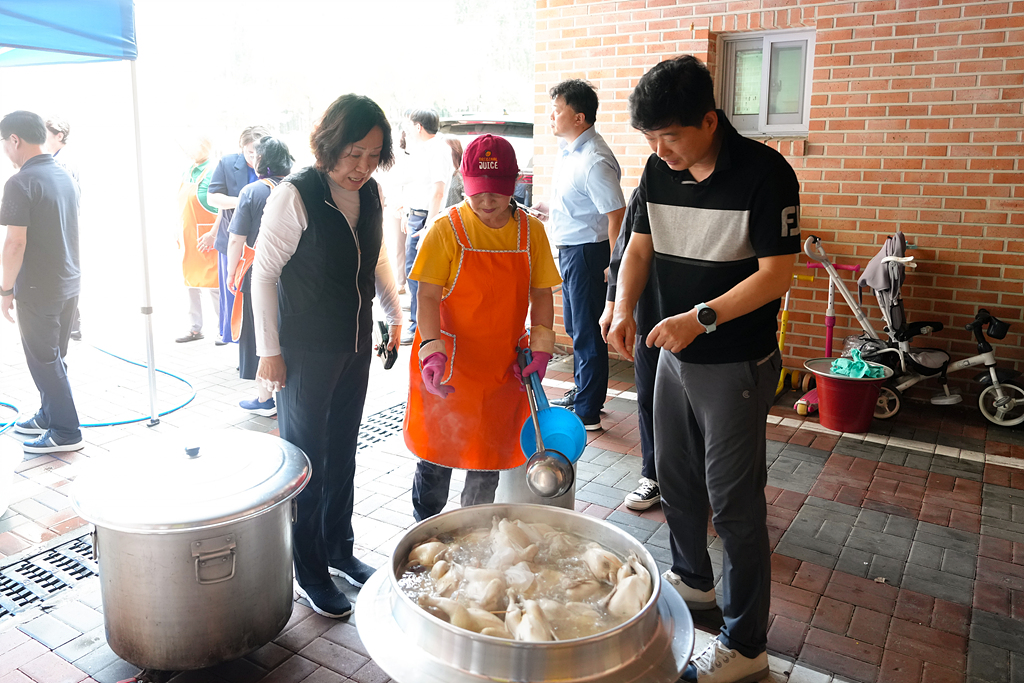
[(808, 382), (1007, 411), (890, 400)]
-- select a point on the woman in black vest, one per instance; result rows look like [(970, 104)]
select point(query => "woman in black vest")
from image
[(319, 261)]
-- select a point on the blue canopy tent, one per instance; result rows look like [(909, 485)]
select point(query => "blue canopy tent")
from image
[(34, 32)]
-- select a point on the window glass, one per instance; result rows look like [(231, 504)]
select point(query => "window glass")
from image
[(786, 78), (747, 97)]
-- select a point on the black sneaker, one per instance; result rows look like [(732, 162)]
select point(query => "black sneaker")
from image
[(50, 443), (326, 599), (567, 400), (191, 336), (591, 424), (31, 426), (352, 570), (645, 495)]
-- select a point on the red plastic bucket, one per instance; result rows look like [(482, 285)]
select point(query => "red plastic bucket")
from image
[(845, 404)]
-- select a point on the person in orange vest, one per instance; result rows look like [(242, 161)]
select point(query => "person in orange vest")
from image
[(481, 267), (198, 216)]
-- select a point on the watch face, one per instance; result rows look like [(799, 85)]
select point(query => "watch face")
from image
[(706, 316)]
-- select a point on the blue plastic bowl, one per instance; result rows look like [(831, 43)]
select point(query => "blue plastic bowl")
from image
[(561, 429)]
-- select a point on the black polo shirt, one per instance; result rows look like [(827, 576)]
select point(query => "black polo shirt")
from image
[(709, 235), (43, 197)]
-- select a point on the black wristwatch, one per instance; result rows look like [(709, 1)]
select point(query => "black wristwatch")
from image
[(707, 317), (6, 292)]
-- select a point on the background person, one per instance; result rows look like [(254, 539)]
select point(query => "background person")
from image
[(722, 210), (273, 163), (233, 172), (480, 269), (198, 218), (429, 173), (585, 215), (645, 362), (41, 270), (455, 191), (320, 259)]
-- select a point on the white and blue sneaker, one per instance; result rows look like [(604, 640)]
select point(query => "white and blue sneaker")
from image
[(718, 664), (32, 426), (49, 442), (266, 409)]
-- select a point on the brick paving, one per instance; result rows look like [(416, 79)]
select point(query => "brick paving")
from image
[(897, 555)]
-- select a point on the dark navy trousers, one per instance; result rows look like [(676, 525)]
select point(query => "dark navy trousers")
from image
[(430, 488), (709, 434), (583, 297), (45, 331), (319, 410), (645, 368)]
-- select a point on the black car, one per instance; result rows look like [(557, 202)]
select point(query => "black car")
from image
[(519, 133)]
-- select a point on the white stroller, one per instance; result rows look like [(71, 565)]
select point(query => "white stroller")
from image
[(1002, 399)]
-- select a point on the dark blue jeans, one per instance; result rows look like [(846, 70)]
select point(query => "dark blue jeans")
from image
[(45, 330), (430, 488), (583, 297), (417, 221), (319, 410)]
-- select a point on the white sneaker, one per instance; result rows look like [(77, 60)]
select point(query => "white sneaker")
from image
[(719, 664), (644, 496), (694, 599)]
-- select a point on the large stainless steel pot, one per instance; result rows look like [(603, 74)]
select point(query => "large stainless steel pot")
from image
[(412, 646), (194, 545)]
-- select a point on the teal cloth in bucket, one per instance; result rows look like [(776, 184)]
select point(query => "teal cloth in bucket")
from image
[(855, 366)]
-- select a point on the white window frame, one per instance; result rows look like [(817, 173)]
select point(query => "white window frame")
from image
[(727, 44)]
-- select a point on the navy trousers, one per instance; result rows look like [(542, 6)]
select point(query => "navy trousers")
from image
[(417, 221), (710, 440), (319, 410), (645, 368), (45, 331), (227, 299), (430, 488), (583, 297)]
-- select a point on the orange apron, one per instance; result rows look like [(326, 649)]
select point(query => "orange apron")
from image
[(198, 267), (482, 323), (241, 268)]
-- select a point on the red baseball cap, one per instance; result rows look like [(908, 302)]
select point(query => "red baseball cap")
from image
[(489, 165)]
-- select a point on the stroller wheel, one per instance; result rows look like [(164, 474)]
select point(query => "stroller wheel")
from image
[(1007, 411), (808, 382), (890, 400)]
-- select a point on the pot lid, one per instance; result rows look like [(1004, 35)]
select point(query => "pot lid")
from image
[(193, 480)]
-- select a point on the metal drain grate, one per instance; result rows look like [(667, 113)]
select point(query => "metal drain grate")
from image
[(42, 576), (380, 426)]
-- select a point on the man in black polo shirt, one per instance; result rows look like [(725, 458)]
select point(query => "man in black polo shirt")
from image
[(718, 218), (41, 272)]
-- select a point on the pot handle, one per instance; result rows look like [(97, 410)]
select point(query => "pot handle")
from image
[(217, 551)]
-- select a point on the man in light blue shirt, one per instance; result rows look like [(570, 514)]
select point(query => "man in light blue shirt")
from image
[(585, 216)]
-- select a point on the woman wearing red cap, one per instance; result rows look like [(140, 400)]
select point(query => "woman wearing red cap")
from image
[(480, 269)]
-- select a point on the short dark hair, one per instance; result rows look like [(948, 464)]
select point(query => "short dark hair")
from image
[(273, 157), (26, 125), (580, 95), (349, 119), (252, 134), (59, 126), (427, 118), (676, 91)]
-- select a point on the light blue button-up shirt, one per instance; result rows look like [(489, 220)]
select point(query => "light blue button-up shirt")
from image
[(586, 183)]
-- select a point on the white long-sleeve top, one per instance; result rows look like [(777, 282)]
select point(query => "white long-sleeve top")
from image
[(284, 220)]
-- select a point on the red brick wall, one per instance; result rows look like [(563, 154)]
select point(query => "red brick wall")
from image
[(915, 125)]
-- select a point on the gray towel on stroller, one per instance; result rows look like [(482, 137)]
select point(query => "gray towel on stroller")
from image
[(886, 280)]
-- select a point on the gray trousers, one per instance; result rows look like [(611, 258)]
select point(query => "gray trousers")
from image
[(709, 440)]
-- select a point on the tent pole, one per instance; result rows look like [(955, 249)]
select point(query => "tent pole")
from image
[(147, 306)]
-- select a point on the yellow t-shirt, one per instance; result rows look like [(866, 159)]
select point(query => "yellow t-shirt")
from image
[(437, 262)]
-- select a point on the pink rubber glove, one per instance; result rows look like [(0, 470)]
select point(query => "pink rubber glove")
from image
[(538, 365), (432, 371)]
